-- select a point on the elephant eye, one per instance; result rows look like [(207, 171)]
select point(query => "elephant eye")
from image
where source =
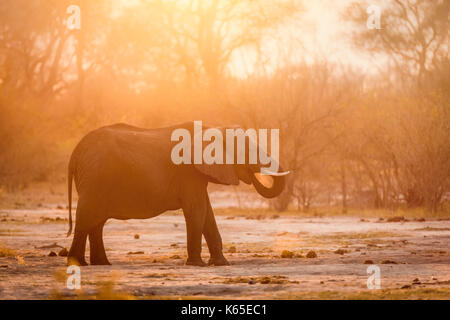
[(265, 180)]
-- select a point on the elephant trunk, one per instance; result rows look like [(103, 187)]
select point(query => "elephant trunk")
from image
[(269, 192)]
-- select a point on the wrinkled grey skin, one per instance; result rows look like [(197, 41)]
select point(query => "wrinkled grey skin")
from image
[(124, 172)]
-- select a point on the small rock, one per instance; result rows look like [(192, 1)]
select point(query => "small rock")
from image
[(174, 245), (389, 262), (416, 281), (175, 256), (287, 254), (175, 225), (340, 251), (136, 236), (311, 254), (368, 262), (251, 282), (407, 286), (396, 219), (63, 252), (420, 220), (232, 249), (52, 254), (136, 252), (265, 280)]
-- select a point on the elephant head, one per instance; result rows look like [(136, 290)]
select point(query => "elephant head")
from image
[(269, 185)]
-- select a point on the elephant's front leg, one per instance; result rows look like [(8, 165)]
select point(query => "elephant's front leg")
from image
[(213, 238), (194, 214)]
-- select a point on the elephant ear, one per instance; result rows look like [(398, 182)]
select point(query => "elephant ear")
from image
[(217, 173)]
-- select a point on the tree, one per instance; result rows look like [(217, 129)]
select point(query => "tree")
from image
[(216, 29), (414, 33)]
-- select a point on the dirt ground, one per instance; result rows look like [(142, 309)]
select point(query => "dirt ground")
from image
[(271, 258)]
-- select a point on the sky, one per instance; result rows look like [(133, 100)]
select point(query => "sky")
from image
[(319, 32), (330, 34)]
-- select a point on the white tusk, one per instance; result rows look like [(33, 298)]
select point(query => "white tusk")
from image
[(275, 174)]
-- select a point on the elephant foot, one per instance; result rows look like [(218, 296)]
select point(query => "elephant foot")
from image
[(220, 261), (100, 262), (74, 261), (195, 262)]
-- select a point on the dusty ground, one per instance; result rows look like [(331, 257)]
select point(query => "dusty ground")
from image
[(414, 258)]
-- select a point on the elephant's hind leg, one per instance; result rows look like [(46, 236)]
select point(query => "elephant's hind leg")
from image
[(83, 224), (97, 254), (77, 250)]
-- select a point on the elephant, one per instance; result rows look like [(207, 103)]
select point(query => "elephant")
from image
[(125, 172)]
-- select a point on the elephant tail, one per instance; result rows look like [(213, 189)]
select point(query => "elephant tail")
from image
[(69, 187)]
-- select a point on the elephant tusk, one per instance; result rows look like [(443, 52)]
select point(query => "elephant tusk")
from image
[(275, 174)]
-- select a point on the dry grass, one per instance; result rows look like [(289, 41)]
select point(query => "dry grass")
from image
[(363, 235), (105, 290), (6, 252), (321, 212), (9, 232), (432, 229), (387, 294), (54, 194), (260, 280)]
